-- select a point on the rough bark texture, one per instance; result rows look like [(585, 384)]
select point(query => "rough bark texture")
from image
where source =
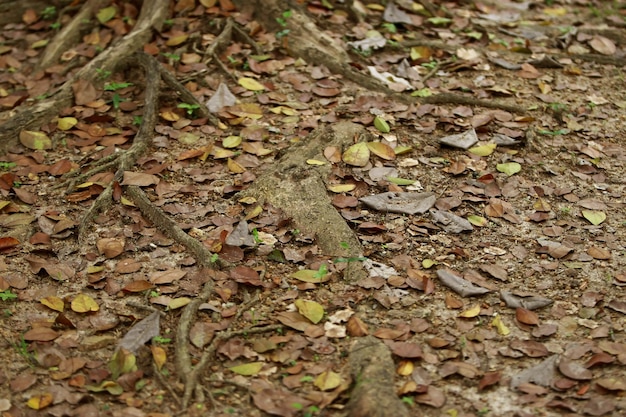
[(372, 370), (153, 14), (300, 190)]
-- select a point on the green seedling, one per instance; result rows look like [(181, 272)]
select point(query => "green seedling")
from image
[(116, 86), (103, 74), (161, 340), (55, 26), (190, 108), (7, 165), (117, 100), (7, 295), (170, 56), (321, 272), (49, 13), (137, 120)]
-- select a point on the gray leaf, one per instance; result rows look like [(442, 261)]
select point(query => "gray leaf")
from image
[(459, 285), (140, 333), (404, 203), (451, 222), (531, 302)]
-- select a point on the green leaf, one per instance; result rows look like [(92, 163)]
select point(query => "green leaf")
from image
[(478, 221), (311, 310), (247, 369), (595, 217), (106, 14), (439, 20), (381, 124), (357, 155), (509, 168), (483, 150)]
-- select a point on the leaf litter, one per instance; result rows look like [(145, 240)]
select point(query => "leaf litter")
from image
[(532, 201)]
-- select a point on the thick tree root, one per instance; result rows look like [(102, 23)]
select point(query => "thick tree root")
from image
[(307, 42), (152, 15), (70, 34), (300, 190), (372, 370)]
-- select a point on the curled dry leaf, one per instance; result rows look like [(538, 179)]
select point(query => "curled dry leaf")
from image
[(527, 301), (401, 202), (459, 285), (110, 247)]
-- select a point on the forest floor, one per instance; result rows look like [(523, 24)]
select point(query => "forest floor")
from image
[(201, 282)]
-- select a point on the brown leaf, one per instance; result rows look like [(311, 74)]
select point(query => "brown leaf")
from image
[(40, 334), (435, 397), (84, 92), (529, 348), (574, 370), (599, 253), (138, 286), (246, 275), (110, 247), (526, 316), (602, 45), (356, 328), (490, 378), (405, 349)]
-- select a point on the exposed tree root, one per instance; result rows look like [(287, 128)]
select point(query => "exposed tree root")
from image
[(300, 191), (70, 34), (307, 42), (11, 11), (152, 15), (372, 370)]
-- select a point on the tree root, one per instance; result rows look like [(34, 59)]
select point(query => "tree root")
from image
[(372, 370), (152, 15), (307, 42), (69, 35)]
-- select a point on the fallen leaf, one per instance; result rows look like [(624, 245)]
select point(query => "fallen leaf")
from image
[(357, 155), (250, 84), (310, 309), (526, 316), (327, 380), (483, 150), (595, 217), (509, 168), (35, 140), (83, 303), (247, 369)]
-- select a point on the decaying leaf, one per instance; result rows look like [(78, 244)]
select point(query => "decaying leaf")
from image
[(450, 222), (459, 285), (527, 301), (141, 332), (401, 202)]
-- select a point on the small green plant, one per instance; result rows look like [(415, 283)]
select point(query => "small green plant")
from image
[(168, 22), (7, 165), (430, 65), (321, 272), (170, 56), (102, 73), (390, 27), (255, 235), (153, 294), (408, 401), (190, 108), (161, 340), (116, 86), (309, 412), (49, 13), (307, 378), (137, 120), (116, 100), (55, 26), (22, 349), (214, 258), (7, 295), (282, 21)]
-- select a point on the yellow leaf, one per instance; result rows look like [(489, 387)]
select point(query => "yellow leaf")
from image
[(125, 201), (231, 142), (327, 380), (66, 123), (235, 167), (400, 150), (251, 84), (247, 369), (159, 356), (477, 220), (53, 302), (310, 275), (471, 312), (595, 217), (93, 269), (341, 188), (310, 309), (221, 153), (38, 402), (555, 11), (178, 303), (500, 326), (106, 14), (315, 162), (176, 40), (256, 210), (405, 368), (170, 116), (382, 150), (483, 150), (83, 303), (428, 263), (357, 155)]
